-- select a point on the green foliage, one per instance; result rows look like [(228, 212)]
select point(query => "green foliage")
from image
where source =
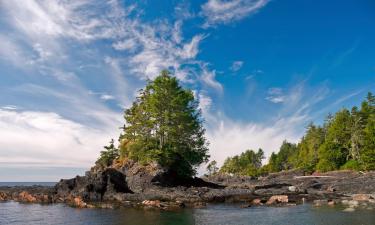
[(306, 156), (212, 168), (108, 155), (368, 153), (248, 163), (351, 165), (334, 152), (164, 124), (346, 140)]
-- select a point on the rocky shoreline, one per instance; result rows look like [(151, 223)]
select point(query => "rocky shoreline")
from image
[(132, 185)]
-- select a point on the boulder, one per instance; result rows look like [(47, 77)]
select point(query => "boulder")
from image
[(349, 210), (331, 203), (292, 188), (320, 202), (361, 197), (95, 186), (277, 199), (151, 203), (3, 196), (79, 203), (257, 201), (24, 196)]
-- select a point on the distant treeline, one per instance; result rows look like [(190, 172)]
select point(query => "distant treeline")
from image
[(346, 140)]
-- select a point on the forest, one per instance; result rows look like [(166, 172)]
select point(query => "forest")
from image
[(346, 140)]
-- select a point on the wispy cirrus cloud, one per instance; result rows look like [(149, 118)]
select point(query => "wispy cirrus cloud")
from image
[(236, 66), (209, 79), (218, 12), (275, 95)]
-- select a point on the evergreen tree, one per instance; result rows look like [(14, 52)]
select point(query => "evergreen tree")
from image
[(108, 155), (164, 124), (334, 152), (212, 168), (368, 153), (283, 160), (306, 156), (247, 163), (272, 166)]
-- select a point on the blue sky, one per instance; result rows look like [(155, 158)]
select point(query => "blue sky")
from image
[(262, 70)]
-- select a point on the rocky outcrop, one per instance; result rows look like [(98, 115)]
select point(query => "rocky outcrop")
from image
[(97, 185), (32, 194), (276, 199), (151, 186)]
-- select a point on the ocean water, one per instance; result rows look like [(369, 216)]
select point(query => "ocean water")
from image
[(12, 184), (35, 214)]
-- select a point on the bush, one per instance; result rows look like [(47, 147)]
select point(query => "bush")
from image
[(351, 165)]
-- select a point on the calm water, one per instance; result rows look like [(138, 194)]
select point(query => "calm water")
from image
[(32, 214), (12, 184)]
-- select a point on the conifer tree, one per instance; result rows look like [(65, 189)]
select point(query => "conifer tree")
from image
[(164, 125)]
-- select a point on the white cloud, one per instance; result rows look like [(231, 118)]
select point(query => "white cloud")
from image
[(228, 138), (208, 77), (9, 107), (106, 97), (11, 52), (190, 50), (225, 12), (129, 44), (276, 95), (236, 65), (47, 139), (205, 103)]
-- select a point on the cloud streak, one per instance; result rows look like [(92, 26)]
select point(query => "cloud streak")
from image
[(55, 141), (218, 12)]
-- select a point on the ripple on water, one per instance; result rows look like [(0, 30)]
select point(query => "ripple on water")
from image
[(35, 214)]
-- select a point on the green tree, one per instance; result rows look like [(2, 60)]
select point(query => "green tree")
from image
[(164, 124), (357, 135), (306, 156), (108, 155), (212, 168), (283, 160), (368, 153), (247, 163), (272, 165), (333, 153)]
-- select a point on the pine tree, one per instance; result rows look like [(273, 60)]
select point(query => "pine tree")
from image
[(334, 152), (212, 168), (108, 155), (164, 124)]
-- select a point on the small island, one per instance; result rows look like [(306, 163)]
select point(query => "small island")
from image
[(154, 165)]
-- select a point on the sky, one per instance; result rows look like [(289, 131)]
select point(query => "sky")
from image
[(261, 69)]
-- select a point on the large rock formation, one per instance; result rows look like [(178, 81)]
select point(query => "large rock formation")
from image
[(132, 184), (131, 181)]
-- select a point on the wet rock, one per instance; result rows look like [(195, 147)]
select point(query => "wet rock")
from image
[(353, 203), (361, 197), (331, 203), (320, 202), (349, 210), (79, 203), (199, 205), (3, 196), (26, 197), (151, 203), (257, 201), (277, 199), (292, 188)]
